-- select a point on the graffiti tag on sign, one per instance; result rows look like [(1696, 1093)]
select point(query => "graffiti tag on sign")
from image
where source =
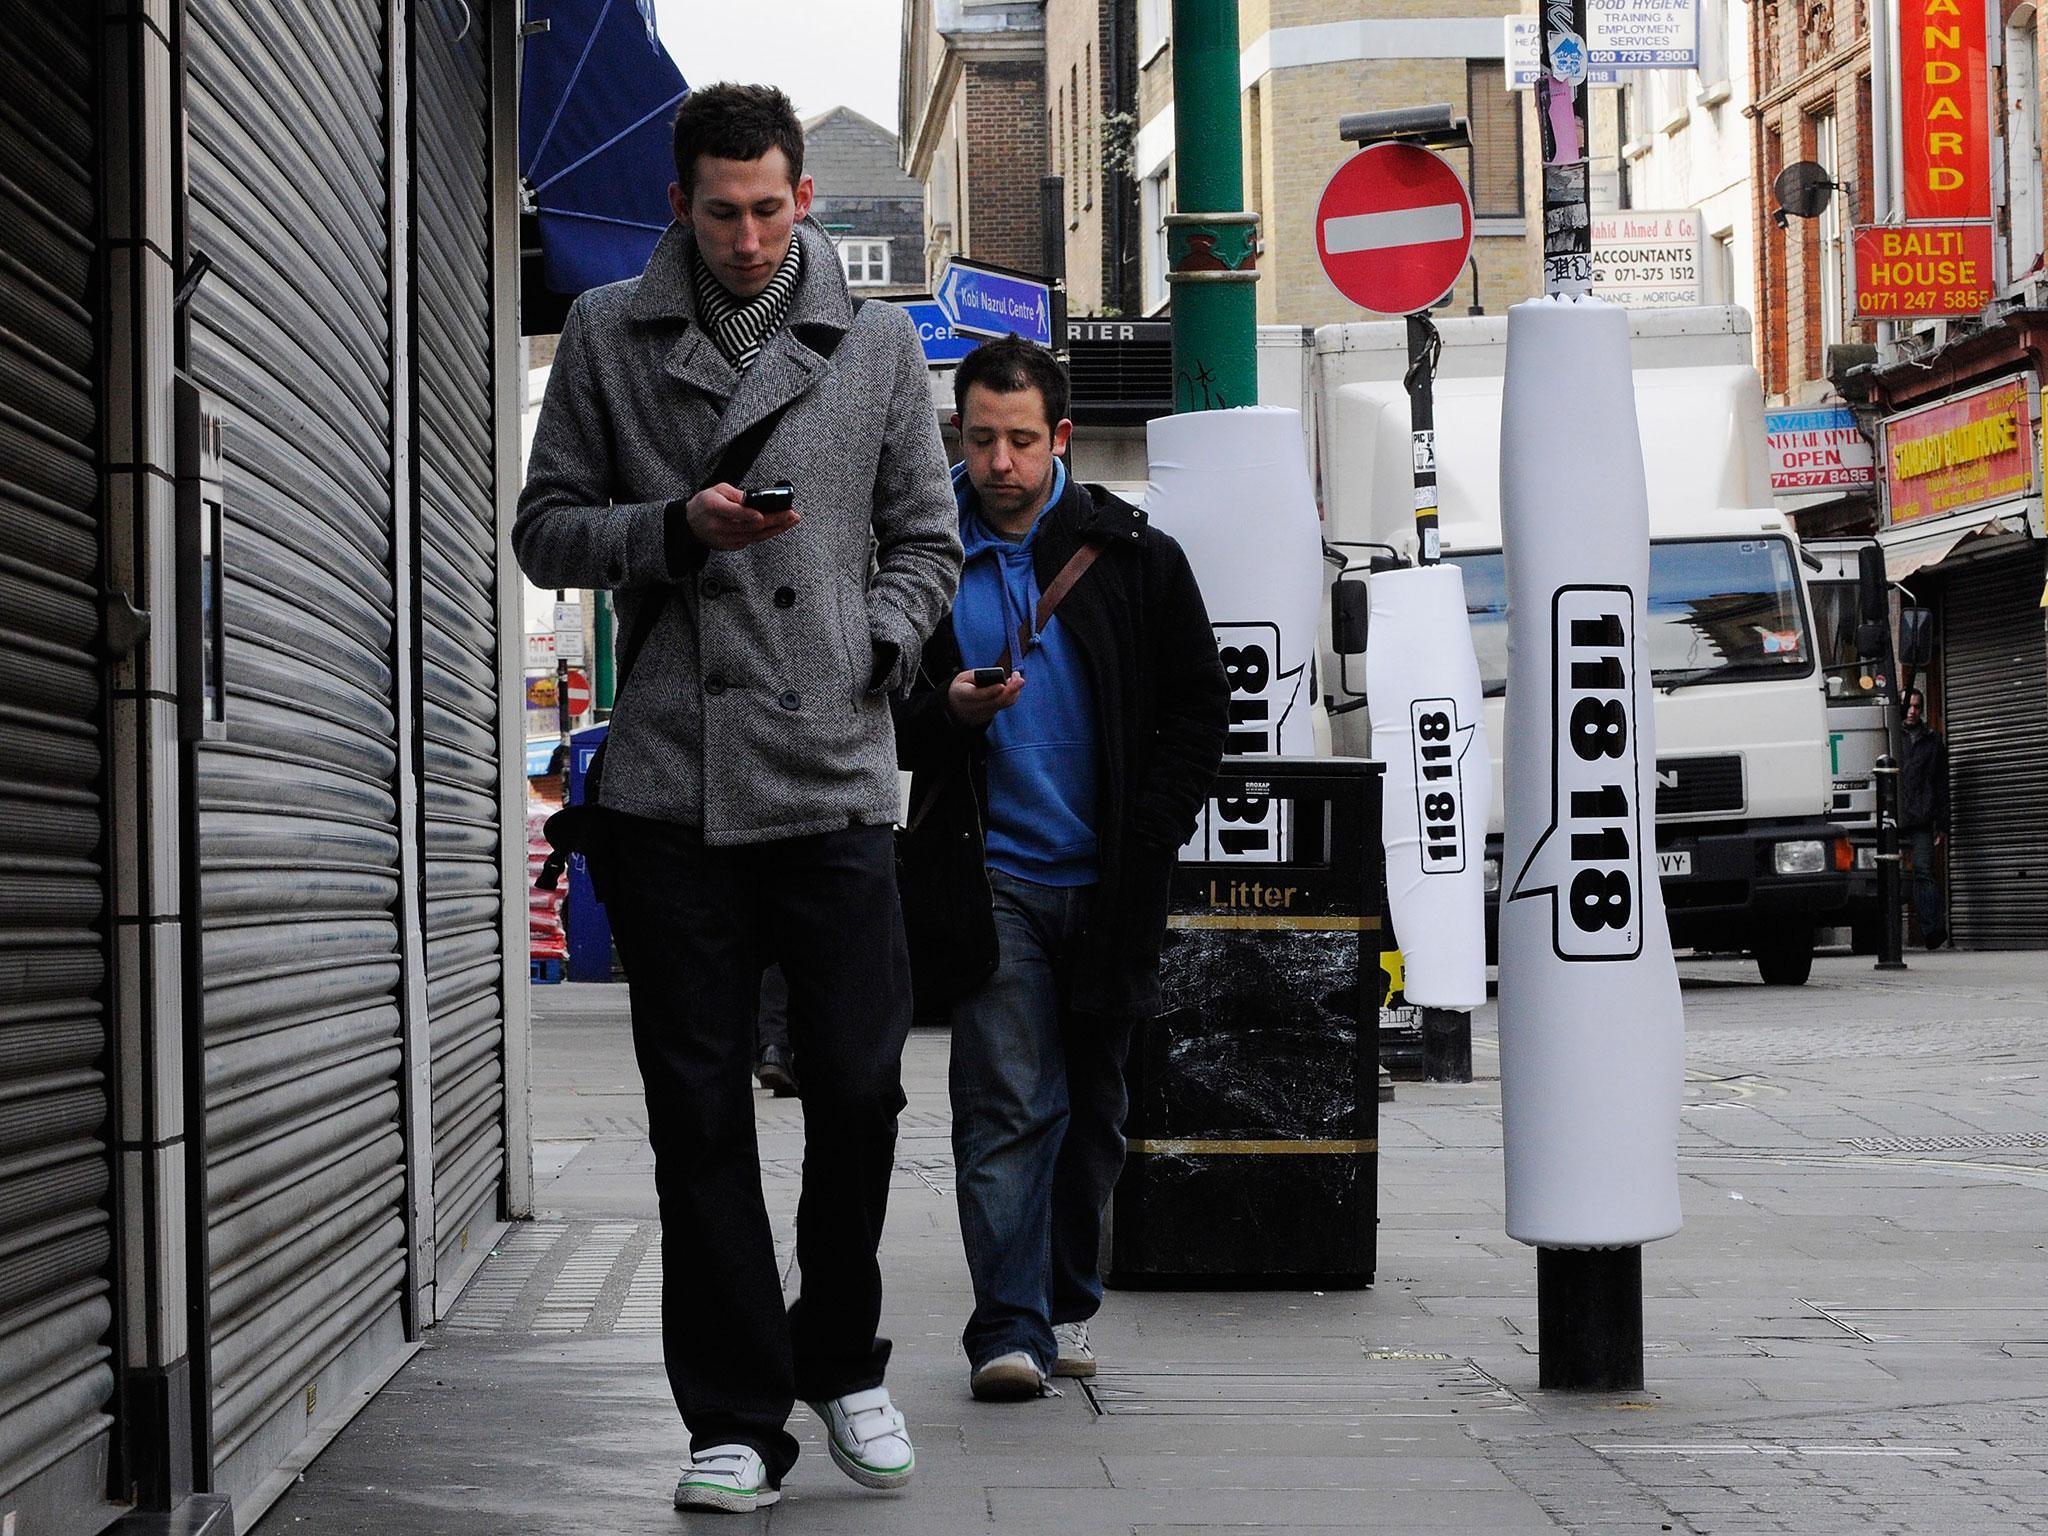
[(1589, 860)]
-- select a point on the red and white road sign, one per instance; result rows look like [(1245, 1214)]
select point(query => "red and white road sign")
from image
[(1394, 228), (579, 694)]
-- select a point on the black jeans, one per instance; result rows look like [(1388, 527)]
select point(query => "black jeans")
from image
[(694, 926)]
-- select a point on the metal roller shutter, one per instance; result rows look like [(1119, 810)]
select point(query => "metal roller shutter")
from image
[(459, 626), (56, 1373), (1995, 710), (298, 833)]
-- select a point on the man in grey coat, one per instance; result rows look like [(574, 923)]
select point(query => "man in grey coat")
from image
[(749, 785)]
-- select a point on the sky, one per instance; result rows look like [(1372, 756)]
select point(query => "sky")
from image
[(824, 53)]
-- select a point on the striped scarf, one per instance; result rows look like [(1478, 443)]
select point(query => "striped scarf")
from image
[(740, 327)]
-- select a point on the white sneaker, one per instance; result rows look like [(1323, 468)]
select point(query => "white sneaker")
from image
[(1008, 1378), (1075, 1357), (728, 1477), (868, 1437)]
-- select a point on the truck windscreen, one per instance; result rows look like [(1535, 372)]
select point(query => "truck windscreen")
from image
[(1721, 611)]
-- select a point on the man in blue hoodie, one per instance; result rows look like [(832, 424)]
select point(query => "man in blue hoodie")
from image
[(1062, 735)]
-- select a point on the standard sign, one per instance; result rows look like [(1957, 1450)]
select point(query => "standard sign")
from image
[(1944, 89), (1968, 451), (1818, 450), (1922, 271), (1645, 260), (1394, 228)]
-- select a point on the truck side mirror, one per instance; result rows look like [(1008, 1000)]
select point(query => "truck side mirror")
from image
[(1350, 613), (1916, 636), (1870, 638), (1873, 589)]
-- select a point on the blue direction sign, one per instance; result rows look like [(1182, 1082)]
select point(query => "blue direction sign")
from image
[(986, 302), (943, 346)]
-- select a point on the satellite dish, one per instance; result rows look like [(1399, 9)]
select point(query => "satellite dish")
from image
[(1803, 188)]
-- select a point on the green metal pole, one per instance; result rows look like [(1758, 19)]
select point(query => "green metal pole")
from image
[(1212, 243), (607, 675)]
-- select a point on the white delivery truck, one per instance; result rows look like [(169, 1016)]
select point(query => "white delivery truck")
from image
[(1856, 692), (1748, 856)]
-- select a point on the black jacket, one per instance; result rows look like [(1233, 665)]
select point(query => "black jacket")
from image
[(1923, 781), (1137, 619)]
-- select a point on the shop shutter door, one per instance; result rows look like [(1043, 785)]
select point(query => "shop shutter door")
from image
[(459, 627), (55, 1370), (1995, 709), (299, 843)]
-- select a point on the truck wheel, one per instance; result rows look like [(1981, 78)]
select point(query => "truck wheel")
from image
[(1786, 957)]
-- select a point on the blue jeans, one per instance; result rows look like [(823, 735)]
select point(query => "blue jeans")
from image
[(1038, 1117)]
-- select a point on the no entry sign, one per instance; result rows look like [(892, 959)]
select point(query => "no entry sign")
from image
[(1394, 228)]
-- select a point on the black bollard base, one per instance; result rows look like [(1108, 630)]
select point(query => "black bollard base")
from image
[(1446, 1046), (1589, 1319)]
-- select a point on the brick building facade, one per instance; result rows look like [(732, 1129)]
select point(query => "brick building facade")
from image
[(1091, 60), (972, 121), (1810, 72)]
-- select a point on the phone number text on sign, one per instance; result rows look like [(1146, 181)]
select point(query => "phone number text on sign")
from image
[(1589, 860), (1250, 828), (1439, 748)]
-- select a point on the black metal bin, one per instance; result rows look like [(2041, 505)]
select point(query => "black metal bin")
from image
[(1253, 1136)]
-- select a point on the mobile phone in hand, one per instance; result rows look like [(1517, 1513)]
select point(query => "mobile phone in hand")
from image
[(770, 499), (988, 677)]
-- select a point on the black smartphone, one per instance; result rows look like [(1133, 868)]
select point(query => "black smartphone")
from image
[(771, 499), (988, 677)]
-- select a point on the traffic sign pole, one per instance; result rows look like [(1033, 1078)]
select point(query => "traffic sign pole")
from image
[(1212, 247), (1560, 97)]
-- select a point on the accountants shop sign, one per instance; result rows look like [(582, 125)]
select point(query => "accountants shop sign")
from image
[(1939, 261), (1969, 451)]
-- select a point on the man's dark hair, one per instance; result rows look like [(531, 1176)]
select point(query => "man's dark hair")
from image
[(1008, 365), (736, 122)]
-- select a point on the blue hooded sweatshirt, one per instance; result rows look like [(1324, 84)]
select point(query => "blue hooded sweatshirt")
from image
[(1041, 750)]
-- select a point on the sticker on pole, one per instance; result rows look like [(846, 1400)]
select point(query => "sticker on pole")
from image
[(1394, 229)]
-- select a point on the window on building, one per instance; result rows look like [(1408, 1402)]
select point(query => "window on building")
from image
[(1719, 277), (1155, 200), (1713, 46), (1776, 328), (1637, 112), (2023, 142), (1094, 125), (865, 262), (1155, 26), (1828, 244), (1074, 129), (1495, 176)]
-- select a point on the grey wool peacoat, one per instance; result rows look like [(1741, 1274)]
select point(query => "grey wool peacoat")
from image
[(758, 707)]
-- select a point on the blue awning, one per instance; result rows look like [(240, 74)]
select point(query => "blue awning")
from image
[(597, 101)]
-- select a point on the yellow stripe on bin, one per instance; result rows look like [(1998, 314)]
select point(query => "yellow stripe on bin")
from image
[(1276, 924), (1188, 1146)]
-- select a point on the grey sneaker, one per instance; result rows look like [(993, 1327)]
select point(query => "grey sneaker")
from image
[(1008, 1378), (1075, 1357), (868, 1437), (727, 1477)]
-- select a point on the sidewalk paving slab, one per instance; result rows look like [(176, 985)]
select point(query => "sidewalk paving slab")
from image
[(1854, 1344)]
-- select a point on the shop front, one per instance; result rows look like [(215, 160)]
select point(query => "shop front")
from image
[(1963, 534)]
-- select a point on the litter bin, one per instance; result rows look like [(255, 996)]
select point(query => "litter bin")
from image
[(590, 931), (1253, 1136)]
